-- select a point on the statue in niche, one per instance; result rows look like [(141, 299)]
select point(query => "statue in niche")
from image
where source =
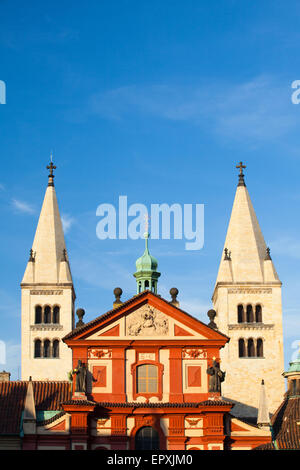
[(81, 375), (216, 377)]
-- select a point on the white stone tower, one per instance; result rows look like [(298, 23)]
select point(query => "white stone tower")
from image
[(247, 299), (47, 297)]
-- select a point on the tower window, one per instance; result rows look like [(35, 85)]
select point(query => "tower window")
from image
[(37, 348), (260, 348), (249, 314), (147, 378), (47, 314), (46, 348), (242, 350), (251, 349), (38, 314), (258, 314), (241, 314), (56, 314), (146, 284), (56, 348)]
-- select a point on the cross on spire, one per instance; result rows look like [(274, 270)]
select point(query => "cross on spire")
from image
[(51, 167), (240, 166)]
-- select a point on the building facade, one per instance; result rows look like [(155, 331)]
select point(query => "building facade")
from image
[(146, 374)]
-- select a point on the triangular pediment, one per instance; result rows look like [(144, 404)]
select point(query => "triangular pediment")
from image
[(146, 316)]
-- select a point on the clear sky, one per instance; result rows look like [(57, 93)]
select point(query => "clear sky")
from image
[(157, 101)]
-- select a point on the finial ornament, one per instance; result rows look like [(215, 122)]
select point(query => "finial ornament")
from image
[(240, 166), (268, 255), (31, 256), (51, 167)]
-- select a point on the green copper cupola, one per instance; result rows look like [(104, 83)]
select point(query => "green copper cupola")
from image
[(146, 270)]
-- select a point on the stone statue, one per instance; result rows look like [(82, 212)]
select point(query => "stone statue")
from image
[(216, 377), (81, 374)]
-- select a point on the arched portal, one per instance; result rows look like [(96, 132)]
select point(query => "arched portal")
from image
[(147, 438)]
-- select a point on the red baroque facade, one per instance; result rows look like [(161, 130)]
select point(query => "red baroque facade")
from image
[(146, 385)]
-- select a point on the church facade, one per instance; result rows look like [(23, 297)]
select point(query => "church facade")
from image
[(147, 374)]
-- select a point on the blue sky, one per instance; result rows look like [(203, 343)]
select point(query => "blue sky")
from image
[(157, 101)]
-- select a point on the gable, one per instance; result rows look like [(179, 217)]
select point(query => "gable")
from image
[(146, 316)]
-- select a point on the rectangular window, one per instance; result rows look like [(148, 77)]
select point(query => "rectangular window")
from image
[(147, 378)]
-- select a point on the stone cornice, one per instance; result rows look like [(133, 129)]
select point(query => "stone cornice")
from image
[(251, 326), (46, 327)]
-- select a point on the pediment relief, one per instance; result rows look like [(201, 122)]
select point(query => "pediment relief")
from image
[(147, 321)]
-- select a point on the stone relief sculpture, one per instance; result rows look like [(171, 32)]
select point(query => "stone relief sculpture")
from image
[(147, 322)]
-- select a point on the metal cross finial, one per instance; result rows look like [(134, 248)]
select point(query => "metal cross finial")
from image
[(51, 167), (240, 166)]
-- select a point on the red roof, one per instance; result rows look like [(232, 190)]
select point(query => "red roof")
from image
[(286, 426), (47, 396)]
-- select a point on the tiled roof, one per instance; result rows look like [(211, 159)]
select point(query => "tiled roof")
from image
[(164, 404), (286, 426), (106, 315), (47, 396)]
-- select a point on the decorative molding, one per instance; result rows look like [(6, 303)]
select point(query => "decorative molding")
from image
[(144, 356), (194, 354), (251, 326), (101, 422), (46, 292), (97, 353), (193, 421), (244, 290), (46, 327)]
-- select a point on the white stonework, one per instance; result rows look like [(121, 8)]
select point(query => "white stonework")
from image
[(47, 282), (247, 278)]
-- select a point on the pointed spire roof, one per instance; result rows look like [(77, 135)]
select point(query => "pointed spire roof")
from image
[(249, 257), (49, 248), (263, 418)]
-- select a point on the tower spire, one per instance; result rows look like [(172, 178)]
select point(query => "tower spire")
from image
[(146, 266), (247, 296), (48, 295)]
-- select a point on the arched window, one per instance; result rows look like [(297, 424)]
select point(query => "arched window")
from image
[(242, 349), (37, 348), (260, 348), (38, 314), (249, 314), (153, 286), (258, 314), (241, 316), (47, 314), (146, 284), (55, 348), (140, 287), (147, 438), (147, 378), (56, 314), (46, 348), (251, 349)]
